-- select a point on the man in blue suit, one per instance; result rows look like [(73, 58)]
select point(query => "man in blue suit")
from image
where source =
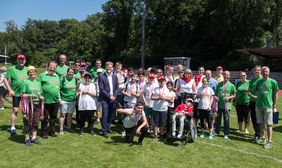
[(108, 85)]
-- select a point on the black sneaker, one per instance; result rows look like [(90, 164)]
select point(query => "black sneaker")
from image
[(92, 133), (13, 132), (53, 135), (104, 134), (35, 141), (44, 136), (140, 143), (28, 142)]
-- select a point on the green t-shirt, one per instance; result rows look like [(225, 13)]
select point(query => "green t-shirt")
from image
[(77, 75), (242, 96), (32, 87), (50, 87), (93, 71), (266, 90), (62, 70), (17, 75), (223, 91), (252, 87), (68, 89)]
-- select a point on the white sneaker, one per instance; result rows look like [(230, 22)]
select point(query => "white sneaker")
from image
[(173, 134), (123, 134), (61, 132), (179, 136), (226, 137)]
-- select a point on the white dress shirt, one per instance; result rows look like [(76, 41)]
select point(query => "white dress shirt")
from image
[(110, 79)]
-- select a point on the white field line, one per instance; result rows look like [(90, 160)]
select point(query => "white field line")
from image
[(242, 151)]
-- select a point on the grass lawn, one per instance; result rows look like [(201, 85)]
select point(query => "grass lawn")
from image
[(70, 150)]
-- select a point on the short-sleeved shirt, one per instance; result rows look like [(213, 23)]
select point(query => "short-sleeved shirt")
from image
[(242, 96), (253, 85), (93, 71), (222, 91), (17, 75), (148, 91), (131, 88), (171, 94), (51, 87), (160, 105), (266, 90), (132, 120), (76, 75), (212, 84), (62, 70), (68, 89), (205, 100), (86, 101), (185, 87), (32, 87)]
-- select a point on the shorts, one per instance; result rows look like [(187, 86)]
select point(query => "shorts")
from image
[(148, 111), (16, 101), (67, 107), (264, 115), (159, 118), (3, 91)]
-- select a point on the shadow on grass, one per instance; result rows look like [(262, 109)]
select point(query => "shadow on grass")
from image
[(172, 142), (278, 129), (239, 136), (4, 128), (116, 140), (17, 138)]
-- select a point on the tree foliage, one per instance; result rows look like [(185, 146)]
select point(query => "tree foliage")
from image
[(207, 30)]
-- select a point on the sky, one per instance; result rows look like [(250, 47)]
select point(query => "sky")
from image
[(20, 10)]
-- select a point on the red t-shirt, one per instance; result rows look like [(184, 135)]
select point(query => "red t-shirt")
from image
[(184, 108)]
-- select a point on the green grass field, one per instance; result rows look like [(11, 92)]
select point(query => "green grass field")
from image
[(70, 150)]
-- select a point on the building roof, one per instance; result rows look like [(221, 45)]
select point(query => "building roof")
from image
[(272, 53)]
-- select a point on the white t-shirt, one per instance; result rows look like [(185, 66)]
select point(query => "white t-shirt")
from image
[(87, 102), (121, 81), (169, 78), (141, 87), (205, 101), (185, 87), (131, 88), (160, 105), (132, 120), (147, 91), (171, 94)]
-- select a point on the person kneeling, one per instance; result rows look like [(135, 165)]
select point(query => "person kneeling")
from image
[(180, 112), (134, 123)]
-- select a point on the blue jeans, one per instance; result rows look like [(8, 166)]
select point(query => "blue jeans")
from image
[(226, 116)]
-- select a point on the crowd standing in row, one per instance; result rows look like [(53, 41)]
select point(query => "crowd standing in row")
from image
[(147, 101)]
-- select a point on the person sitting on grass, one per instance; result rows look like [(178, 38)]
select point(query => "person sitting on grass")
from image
[(134, 123), (180, 112), (32, 106)]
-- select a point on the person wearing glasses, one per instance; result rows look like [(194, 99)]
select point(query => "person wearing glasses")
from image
[(242, 101)]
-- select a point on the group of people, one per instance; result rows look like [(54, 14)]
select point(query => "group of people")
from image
[(146, 100)]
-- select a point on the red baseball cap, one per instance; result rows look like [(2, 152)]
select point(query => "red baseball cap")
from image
[(151, 76), (161, 78), (219, 68), (82, 64), (20, 56)]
